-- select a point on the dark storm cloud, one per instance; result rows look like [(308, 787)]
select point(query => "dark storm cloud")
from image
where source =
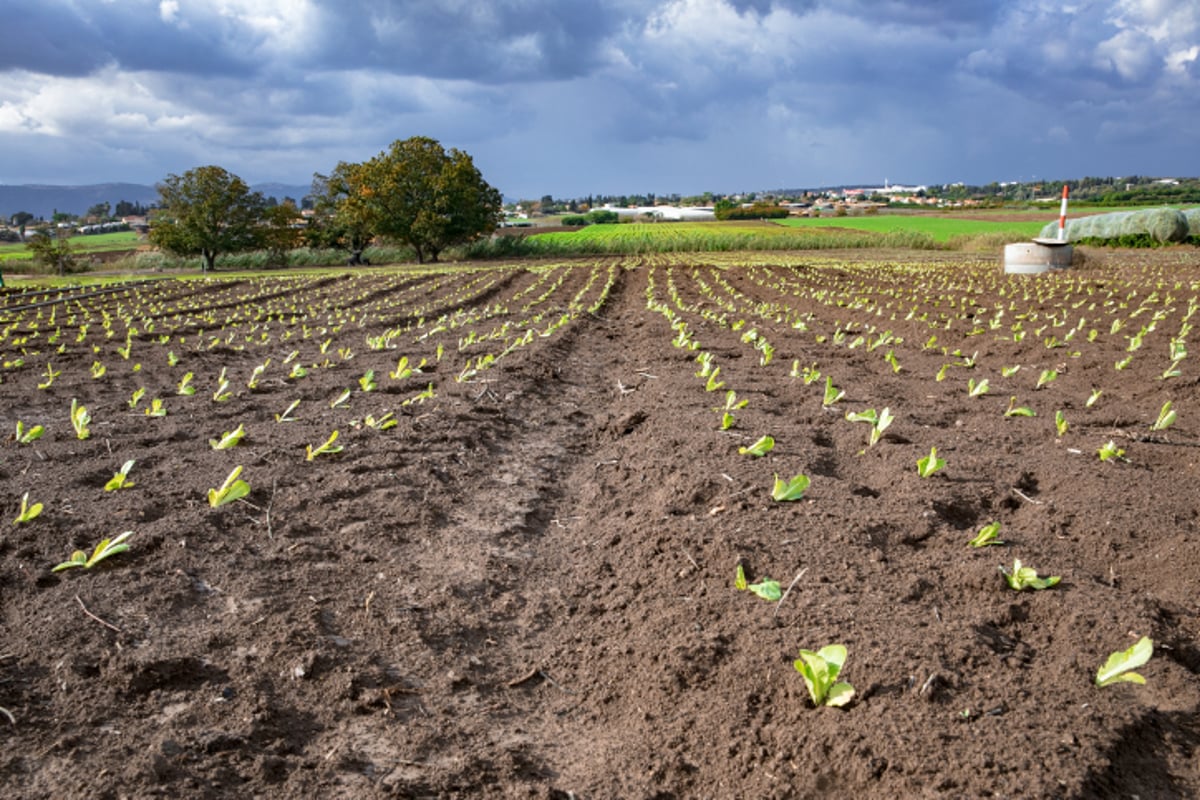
[(740, 87), (54, 37)]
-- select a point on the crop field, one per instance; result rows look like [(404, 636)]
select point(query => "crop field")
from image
[(940, 228), (672, 237), (97, 243), (517, 530)]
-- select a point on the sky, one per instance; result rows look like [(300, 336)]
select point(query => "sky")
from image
[(578, 97)]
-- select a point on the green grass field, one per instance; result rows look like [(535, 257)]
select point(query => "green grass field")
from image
[(99, 243), (940, 229)]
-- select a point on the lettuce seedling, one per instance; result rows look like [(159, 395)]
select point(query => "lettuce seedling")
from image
[(732, 403), (714, 384), (1060, 423), (930, 464), (229, 439), (367, 381), (1027, 578), (156, 409), (172, 359), (1008, 372), (30, 434), (793, 489), (136, 397), (1110, 450), (341, 399), (222, 393), (328, 448), (232, 489), (1014, 410), (832, 393), (284, 416), (27, 512), (80, 419), (121, 479), (820, 671), (727, 421), (1117, 668), (976, 389), (381, 423), (987, 536), (1124, 362), (252, 384), (402, 370), (879, 422), (185, 388), (298, 371), (941, 373), (1047, 376), (98, 370), (51, 374), (1093, 397), (767, 589), (759, 448), (890, 358), (1166, 418), (106, 548)]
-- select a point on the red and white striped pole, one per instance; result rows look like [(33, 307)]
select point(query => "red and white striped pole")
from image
[(1062, 217)]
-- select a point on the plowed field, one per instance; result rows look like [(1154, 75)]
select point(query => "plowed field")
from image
[(525, 587)]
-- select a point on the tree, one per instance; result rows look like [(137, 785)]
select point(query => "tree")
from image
[(340, 220), (206, 211), (100, 210), (278, 233), (54, 253), (419, 194)]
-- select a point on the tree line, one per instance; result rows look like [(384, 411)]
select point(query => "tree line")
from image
[(415, 192)]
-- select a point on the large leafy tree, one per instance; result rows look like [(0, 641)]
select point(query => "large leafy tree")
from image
[(418, 193), (206, 211)]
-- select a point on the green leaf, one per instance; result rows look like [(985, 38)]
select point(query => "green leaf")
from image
[(930, 464), (1117, 668), (229, 439), (759, 448), (739, 580), (820, 671), (987, 535), (767, 589), (793, 489)]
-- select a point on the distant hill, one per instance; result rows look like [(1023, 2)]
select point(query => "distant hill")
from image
[(43, 201)]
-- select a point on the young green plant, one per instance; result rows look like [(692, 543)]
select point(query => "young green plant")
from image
[(767, 589), (80, 419), (328, 448), (120, 480), (759, 448), (820, 671), (930, 464), (232, 489), (1117, 669), (27, 512), (1026, 578), (789, 490), (229, 439), (105, 549), (878, 422), (988, 535)]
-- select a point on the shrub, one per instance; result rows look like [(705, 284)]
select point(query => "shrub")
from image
[(755, 211)]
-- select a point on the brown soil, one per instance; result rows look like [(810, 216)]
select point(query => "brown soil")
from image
[(526, 588)]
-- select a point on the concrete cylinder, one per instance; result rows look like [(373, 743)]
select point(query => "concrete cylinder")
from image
[(1030, 258)]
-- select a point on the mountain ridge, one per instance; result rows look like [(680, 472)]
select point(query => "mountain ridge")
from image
[(42, 200)]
